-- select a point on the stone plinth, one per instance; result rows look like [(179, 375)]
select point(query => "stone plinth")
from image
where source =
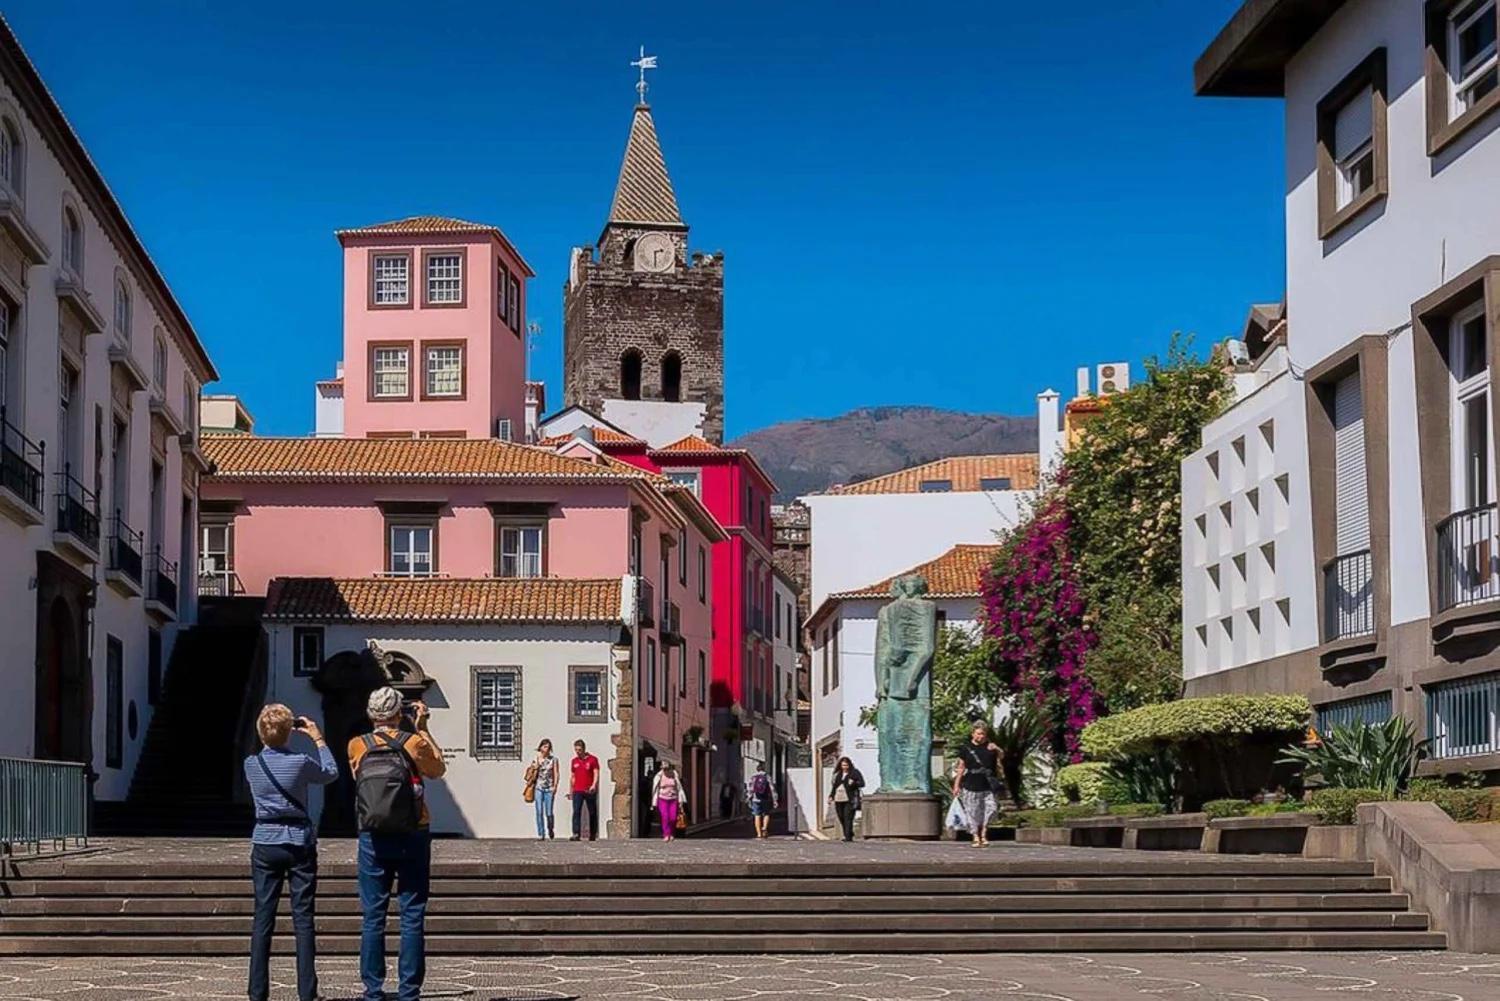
[(913, 816)]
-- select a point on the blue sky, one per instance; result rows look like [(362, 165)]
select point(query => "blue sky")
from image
[(919, 203)]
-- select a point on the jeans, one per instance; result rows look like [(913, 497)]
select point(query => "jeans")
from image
[(667, 809), (586, 801), (846, 819), (270, 867), (406, 861), (544, 798)]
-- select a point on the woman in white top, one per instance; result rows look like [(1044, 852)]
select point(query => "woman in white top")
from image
[(541, 778), (669, 796)]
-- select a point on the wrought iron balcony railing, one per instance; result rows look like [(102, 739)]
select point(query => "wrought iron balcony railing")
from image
[(645, 599), (216, 582), (161, 583), (1468, 571), (124, 549), (77, 510), (1349, 596), (21, 463)]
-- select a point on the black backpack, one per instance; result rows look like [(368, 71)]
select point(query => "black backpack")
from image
[(387, 796), (760, 785)]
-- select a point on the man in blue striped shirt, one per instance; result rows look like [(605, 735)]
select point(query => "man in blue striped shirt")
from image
[(284, 847)]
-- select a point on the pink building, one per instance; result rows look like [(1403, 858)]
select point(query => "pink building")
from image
[(434, 331)]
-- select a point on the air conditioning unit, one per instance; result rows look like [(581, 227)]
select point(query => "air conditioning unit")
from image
[(1114, 377), (502, 428)]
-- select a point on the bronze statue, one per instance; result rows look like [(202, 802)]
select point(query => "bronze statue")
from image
[(905, 642)]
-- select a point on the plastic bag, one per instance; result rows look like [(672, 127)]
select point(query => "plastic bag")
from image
[(957, 820)]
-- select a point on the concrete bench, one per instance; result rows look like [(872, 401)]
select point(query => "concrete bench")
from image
[(1277, 834), (1176, 832), (1104, 831)]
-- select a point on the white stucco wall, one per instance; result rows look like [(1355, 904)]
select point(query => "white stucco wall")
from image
[(858, 539), (655, 422), (480, 798), (328, 410)]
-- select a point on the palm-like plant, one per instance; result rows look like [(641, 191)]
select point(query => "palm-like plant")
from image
[(1363, 755), (1017, 735)]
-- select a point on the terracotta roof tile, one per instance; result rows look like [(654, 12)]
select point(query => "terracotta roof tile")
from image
[(695, 447), (449, 459), (964, 473), (644, 192), (693, 443), (406, 599), (955, 574), (602, 436), (420, 224)]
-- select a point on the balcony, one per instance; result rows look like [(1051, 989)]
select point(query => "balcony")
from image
[(77, 518), (756, 621), (123, 567), (1462, 717), (645, 603), (216, 582), (21, 466), (161, 586), (671, 622), (192, 454), (1466, 565), (72, 294), (1348, 597)]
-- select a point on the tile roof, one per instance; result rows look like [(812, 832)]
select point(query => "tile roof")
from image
[(433, 225), (602, 436), (964, 472), (955, 574), (694, 444), (644, 192), (366, 459), (437, 599)]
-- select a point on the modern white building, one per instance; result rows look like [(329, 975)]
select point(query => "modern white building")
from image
[(100, 372), (1340, 536), (841, 635), (785, 651)]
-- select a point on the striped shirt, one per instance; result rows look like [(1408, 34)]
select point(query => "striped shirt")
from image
[(296, 772)]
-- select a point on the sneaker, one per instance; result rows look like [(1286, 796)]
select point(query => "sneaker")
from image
[(573, 838)]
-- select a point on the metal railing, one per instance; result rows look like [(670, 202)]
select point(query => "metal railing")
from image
[(161, 584), (1468, 570), (77, 509), (1349, 596), (219, 583), (42, 801), (645, 601), (22, 462), (124, 549), (1371, 709), (671, 620), (1461, 716)]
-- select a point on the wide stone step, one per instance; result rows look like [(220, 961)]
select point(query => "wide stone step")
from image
[(635, 943), (894, 903)]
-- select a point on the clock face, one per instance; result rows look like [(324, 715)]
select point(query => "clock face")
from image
[(654, 252)]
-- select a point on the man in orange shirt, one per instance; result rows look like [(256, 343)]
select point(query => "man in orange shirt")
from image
[(390, 768)]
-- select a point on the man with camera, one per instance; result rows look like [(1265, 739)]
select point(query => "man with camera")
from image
[(284, 846), (391, 766)]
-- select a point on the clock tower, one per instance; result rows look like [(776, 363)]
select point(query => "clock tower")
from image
[(643, 318)]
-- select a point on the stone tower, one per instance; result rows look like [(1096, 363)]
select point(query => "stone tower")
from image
[(643, 319)]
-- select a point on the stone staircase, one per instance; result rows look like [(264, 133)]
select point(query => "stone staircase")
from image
[(953, 902), (184, 780)]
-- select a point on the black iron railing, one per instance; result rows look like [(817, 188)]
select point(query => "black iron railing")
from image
[(1349, 596), (214, 583), (124, 549), (645, 602), (21, 463), (77, 509), (161, 585), (1467, 568)]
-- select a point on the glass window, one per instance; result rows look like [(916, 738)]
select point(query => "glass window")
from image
[(392, 280), (936, 486), (114, 697), (122, 310), (11, 155), (411, 551), (72, 242), (682, 557), (307, 650), (1354, 146), (521, 551), (513, 304), (502, 288), (994, 483), (1472, 56), (588, 695), (159, 362), (702, 679), (686, 477), (650, 671), (445, 282), (445, 366), (497, 712), (390, 368), (702, 574), (5, 308)]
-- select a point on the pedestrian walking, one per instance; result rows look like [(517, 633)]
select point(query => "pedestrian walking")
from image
[(760, 793), (391, 766), (541, 787), (670, 799), (977, 783), (845, 796), (284, 846), (584, 786)]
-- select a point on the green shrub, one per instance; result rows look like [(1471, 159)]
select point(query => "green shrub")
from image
[(1166, 724), (1272, 809), (1464, 805), (1335, 806), (1146, 778), (1055, 816), (1363, 755), (1220, 808), (1089, 782)]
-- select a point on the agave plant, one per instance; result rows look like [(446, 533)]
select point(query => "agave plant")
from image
[(1363, 755)]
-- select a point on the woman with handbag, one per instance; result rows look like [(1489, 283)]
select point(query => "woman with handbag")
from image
[(977, 783), (669, 797), (845, 795), (541, 788)]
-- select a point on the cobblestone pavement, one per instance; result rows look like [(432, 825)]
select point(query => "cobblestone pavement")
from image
[(1179, 977)]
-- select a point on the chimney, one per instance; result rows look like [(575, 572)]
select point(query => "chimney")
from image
[(1083, 383), (1048, 431)]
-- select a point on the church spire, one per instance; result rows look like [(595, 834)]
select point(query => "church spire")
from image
[(644, 195)]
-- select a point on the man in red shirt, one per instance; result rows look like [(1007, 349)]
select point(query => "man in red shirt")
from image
[(585, 791)]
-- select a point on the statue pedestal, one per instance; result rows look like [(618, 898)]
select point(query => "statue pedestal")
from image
[(910, 815)]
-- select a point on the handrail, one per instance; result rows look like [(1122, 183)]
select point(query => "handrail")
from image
[(77, 508), (125, 548), (42, 801), (1466, 512), (18, 472)]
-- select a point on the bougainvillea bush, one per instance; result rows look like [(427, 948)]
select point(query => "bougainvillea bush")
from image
[(1034, 614)]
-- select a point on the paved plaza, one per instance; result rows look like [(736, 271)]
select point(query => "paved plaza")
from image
[(1196, 977)]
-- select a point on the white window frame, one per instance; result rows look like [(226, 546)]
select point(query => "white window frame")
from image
[(445, 280), (516, 558), (1346, 167), (598, 713), (404, 542), (456, 373), (692, 478), (159, 363), (390, 286), (72, 241), (401, 371), (122, 310), (1464, 393), (495, 727), (304, 666), (12, 156), (215, 559), (1462, 18)]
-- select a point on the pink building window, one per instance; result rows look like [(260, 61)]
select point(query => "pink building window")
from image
[(412, 550), (445, 278), (521, 550), (390, 371), (390, 276), (443, 370)]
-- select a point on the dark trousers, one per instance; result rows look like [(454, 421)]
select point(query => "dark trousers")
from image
[(586, 801), (846, 819), (270, 867), (405, 862)]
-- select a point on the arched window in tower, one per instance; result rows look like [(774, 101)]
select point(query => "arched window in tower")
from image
[(671, 377), (630, 375)]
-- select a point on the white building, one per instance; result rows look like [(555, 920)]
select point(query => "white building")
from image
[(841, 634), (1339, 523), (785, 651), (100, 372), (503, 663)]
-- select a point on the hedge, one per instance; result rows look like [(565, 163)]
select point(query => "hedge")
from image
[(1336, 807), (1218, 809), (1055, 816), (1186, 720), (1463, 805), (1089, 782)]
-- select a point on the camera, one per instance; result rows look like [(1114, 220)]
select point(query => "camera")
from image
[(299, 722)]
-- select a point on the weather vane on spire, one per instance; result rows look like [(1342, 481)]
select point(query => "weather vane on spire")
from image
[(643, 64)]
